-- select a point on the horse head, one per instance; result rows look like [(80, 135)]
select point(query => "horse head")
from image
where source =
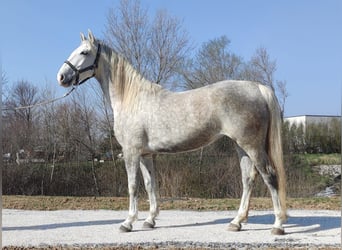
[(82, 63)]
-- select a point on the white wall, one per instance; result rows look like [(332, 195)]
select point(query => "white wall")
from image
[(309, 119)]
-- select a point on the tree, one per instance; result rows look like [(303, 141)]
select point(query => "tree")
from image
[(77, 127), (23, 94), (3, 81), (282, 95), (261, 68), (323, 138), (334, 136), (21, 122), (213, 62), (313, 138), (155, 48), (108, 144), (49, 139), (88, 123)]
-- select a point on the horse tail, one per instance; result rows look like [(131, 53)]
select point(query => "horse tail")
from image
[(274, 144)]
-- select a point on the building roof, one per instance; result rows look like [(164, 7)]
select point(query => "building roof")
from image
[(332, 116)]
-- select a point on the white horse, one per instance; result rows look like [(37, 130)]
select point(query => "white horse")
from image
[(149, 119)]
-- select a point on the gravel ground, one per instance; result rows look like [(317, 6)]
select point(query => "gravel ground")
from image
[(99, 228)]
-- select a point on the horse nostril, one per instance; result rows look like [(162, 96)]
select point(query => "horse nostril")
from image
[(61, 77)]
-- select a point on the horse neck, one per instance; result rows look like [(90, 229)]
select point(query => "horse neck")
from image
[(122, 84)]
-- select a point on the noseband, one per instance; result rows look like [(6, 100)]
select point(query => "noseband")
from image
[(91, 67)]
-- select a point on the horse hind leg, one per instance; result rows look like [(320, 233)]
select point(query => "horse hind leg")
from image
[(269, 175), (148, 172), (248, 173)]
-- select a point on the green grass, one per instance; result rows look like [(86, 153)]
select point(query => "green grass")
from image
[(321, 159)]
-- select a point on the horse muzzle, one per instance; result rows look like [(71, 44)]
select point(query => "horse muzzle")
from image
[(65, 80)]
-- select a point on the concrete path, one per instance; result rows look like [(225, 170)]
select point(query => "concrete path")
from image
[(174, 228)]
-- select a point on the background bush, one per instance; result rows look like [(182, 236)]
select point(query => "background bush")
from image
[(210, 173)]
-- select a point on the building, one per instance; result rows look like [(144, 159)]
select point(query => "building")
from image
[(313, 134), (306, 120)]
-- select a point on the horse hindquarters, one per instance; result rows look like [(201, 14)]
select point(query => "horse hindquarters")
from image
[(262, 144)]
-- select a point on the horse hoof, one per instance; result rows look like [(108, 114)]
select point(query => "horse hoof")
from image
[(234, 228), (148, 225), (124, 229), (277, 231)]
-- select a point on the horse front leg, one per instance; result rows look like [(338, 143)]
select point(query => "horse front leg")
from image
[(148, 172), (132, 165)]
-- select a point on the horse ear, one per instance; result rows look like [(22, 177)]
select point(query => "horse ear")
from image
[(82, 37), (91, 37)]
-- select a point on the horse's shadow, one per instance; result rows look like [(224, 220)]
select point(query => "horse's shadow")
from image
[(62, 225), (305, 224)]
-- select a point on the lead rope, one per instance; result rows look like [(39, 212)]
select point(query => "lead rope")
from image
[(43, 102)]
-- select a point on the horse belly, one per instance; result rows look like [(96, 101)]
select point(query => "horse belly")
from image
[(182, 142)]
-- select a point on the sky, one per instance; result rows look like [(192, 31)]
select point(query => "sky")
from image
[(304, 37)]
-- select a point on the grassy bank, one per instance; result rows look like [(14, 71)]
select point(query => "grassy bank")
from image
[(119, 203), (321, 159)]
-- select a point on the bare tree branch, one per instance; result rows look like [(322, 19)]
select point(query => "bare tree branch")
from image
[(155, 48), (283, 94), (213, 62), (263, 68)]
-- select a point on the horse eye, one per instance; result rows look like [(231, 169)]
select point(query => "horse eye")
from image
[(84, 53)]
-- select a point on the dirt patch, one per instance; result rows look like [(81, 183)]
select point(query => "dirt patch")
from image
[(153, 248), (118, 203)]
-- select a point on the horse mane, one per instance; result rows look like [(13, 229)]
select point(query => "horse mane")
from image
[(130, 84)]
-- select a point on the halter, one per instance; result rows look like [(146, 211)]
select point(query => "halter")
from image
[(91, 67)]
